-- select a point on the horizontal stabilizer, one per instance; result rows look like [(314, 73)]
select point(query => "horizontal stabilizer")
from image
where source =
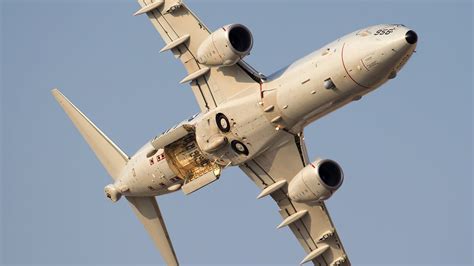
[(109, 154), (148, 212)]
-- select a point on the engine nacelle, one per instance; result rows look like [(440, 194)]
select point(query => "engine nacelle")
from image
[(226, 46), (316, 182)]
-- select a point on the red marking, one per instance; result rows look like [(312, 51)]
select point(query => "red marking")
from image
[(152, 161), (312, 165), (261, 90), (344, 65), (160, 157)]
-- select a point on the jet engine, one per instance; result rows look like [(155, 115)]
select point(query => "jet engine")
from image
[(316, 182), (226, 46)]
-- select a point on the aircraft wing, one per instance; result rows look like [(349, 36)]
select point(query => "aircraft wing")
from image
[(183, 32), (315, 230)]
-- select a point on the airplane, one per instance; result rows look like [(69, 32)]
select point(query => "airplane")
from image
[(249, 120)]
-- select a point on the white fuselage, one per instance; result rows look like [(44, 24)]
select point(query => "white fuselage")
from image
[(290, 99)]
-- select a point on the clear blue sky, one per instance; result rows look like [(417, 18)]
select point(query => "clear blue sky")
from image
[(406, 148)]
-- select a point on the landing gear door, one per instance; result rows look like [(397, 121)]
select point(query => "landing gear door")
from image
[(201, 181)]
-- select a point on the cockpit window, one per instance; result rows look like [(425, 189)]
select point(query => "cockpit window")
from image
[(328, 84)]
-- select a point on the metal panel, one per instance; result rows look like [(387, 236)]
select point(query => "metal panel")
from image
[(170, 136), (199, 182)]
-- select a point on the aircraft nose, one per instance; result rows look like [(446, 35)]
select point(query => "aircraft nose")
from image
[(411, 37)]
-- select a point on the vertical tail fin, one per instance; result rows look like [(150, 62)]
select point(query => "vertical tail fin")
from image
[(109, 154), (114, 160)]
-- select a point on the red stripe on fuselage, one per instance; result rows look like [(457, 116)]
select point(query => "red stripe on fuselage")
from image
[(345, 68)]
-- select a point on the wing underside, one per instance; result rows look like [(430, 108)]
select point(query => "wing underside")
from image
[(183, 32), (314, 230)]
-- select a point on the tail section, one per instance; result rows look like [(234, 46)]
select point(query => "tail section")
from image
[(114, 160), (109, 154)]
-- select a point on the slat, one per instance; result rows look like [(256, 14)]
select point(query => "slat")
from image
[(292, 218), (272, 188), (149, 7), (195, 75), (175, 43)]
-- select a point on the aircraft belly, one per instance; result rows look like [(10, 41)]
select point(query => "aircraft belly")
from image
[(248, 128), (148, 174), (305, 97)]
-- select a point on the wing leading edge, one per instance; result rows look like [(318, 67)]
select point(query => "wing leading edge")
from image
[(310, 223)]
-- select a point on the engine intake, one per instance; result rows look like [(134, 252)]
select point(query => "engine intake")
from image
[(330, 173), (316, 182), (226, 46)]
